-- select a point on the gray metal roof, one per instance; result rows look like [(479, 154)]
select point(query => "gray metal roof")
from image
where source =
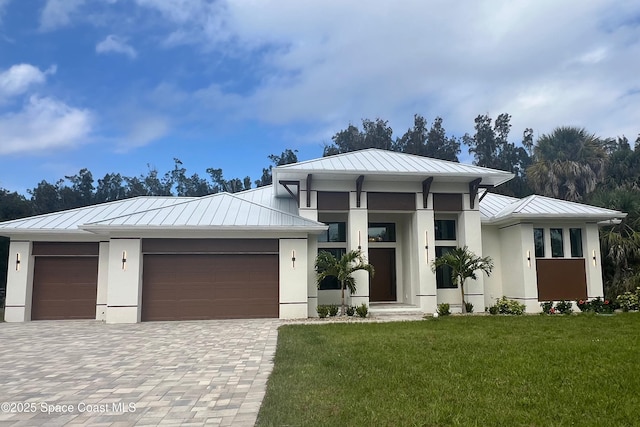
[(491, 204), (382, 162), (218, 211), (495, 208), (264, 196), (69, 220)]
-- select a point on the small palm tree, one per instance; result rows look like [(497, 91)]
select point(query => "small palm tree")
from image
[(463, 264), (327, 265)]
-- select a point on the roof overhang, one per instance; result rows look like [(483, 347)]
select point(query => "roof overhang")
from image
[(288, 175)]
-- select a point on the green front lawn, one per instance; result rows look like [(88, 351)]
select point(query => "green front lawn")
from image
[(479, 371)]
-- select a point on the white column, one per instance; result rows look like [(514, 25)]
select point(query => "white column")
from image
[(471, 236), (103, 282), (124, 290), (312, 253), (19, 283), (357, 236), (425, 248), (593, 267), (293, 279)]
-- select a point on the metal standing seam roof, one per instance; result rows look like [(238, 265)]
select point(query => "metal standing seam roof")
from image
[(535, 206), (264, 196), (69, 220), (222, 210), (376, 161), (492, 203)]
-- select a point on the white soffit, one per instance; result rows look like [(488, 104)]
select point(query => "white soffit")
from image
[(218, 211), (69, 220)]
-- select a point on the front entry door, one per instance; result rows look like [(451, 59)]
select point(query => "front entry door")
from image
[(383, 285)]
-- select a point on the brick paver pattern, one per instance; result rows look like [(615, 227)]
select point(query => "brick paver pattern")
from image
[(156, 373)]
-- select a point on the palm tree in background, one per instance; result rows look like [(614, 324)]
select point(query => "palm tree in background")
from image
[(569, 164)]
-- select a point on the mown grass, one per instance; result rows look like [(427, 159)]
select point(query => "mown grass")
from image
[(458, 371)]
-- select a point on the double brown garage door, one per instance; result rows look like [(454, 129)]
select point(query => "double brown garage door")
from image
[(197, 285), (201, 286)]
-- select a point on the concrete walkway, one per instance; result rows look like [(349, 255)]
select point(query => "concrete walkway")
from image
[(158, 373)]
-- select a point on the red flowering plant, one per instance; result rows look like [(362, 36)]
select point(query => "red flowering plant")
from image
[(583, 305)]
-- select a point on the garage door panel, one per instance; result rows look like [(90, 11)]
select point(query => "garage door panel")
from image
[(64, 288), (211, 286)]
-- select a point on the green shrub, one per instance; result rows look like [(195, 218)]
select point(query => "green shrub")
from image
[(333, 310), (564, 307), (444, 309), (323, 311), (597, 305), (351, 310), (547, 307), (469, 307), (507, 306), (630, 301), (362, 310)]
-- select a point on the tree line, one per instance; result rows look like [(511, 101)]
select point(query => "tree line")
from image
[(569, 163)]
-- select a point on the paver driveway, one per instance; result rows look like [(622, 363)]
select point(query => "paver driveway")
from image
[(167, 373)]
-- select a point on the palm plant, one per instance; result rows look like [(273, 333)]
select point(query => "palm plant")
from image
[(569, 164), (342, 269), (463, 264)]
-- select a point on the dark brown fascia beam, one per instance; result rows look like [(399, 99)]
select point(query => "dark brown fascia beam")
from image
[(359, 182), (486, 190), (426, 188), (473, 191), (286, 185), (309, 190)]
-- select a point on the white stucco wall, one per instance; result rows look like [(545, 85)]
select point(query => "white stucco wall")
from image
[(357, 232), (124, 291), (19, 283), (293, 279), (591, 244), (491, 247), (471, 236), (103, 282)]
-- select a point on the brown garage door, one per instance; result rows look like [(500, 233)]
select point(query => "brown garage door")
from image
[(64, 288), (207, 286)]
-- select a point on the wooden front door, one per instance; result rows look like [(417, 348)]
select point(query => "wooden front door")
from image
[(383, 285)]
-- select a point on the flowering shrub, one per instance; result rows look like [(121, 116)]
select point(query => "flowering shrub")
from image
[(547, 306), (507, 306), (564, 307), (597, 305)]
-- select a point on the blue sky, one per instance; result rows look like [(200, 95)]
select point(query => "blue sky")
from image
[(114, 85)]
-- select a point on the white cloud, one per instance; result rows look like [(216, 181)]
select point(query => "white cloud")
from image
[(113, 43), (18, 79), (331, 62), (43, 124), (57, 13), (143, 130)]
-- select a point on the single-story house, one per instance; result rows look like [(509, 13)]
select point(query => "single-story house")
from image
[(251, 254)]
